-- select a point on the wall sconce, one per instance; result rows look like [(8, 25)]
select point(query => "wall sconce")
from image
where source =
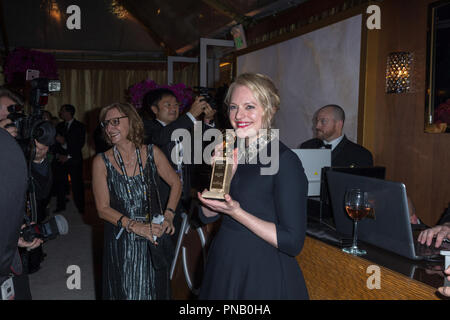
[(398, 72)]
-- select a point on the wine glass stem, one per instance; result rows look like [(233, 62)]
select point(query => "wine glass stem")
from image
[(355, 233)]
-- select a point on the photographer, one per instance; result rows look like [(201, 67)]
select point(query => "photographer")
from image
[(161, 115), (35, 148), (7, 99)]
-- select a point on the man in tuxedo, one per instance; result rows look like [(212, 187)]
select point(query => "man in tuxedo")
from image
[(344, 153), (163, 118), (70, 137), (329, 123)]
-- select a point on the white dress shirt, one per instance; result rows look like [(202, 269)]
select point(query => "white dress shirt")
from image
[(334, 142)]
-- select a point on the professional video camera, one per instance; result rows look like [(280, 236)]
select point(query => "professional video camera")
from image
[(48, 230), (33, 126), (204, 92), (30, 128)]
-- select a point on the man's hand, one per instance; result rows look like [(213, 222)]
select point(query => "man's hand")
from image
[(11, 129), (29, 245), (198, 106), (441, 232), (446, 290), (209, 114)]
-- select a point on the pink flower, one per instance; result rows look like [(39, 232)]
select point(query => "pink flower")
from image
[(442, 113), (21, 59)]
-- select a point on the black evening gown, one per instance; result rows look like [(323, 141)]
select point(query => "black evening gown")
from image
[(128, 272), (241, 265)]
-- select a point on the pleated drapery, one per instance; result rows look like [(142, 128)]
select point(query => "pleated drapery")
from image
[(91, 89)]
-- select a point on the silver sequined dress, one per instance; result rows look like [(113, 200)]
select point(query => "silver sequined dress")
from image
[(128, 273)]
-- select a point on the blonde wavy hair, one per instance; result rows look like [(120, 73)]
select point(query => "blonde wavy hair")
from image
[(264, 92), (136, 132)]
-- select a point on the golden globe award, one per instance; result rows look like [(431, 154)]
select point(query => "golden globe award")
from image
[(222, 171)]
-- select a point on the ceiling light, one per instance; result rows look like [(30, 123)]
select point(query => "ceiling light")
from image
[(119, 10)]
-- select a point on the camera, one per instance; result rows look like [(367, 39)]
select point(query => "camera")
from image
[(204, 92), (48, 230), (33, 126), (30, 128)]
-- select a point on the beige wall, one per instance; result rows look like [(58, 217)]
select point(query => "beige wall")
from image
[(394, 123)]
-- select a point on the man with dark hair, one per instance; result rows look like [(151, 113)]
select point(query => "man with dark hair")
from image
[(329, 124), (70, 138), (162, 107), (7, 99), (161, 119)]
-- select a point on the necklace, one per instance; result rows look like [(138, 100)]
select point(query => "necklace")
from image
[(122, 164), (249, 152), (132, 158)]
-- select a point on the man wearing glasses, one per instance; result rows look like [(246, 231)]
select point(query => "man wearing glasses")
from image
[(329, 124), (70, 137)]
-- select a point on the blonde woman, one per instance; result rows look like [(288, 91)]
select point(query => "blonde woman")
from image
[(264, 216)]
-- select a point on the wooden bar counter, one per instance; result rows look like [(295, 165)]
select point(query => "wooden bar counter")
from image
[(332, 274), (328, 271)]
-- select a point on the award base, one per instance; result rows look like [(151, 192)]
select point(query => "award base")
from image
[(214, 195), (220, 180)]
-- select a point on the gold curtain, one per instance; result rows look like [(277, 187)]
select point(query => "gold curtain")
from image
[(188, 75), (90, 90)]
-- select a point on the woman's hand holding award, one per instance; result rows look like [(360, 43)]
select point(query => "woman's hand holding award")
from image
[(222, 169)]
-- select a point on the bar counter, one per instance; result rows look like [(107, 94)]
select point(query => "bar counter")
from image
[(329, 272)]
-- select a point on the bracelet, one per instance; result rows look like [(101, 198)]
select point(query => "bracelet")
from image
[(128, 225), (151, 233), (119, 222), (171, 210)]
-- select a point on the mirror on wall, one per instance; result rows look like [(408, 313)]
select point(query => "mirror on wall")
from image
[(437, 112)]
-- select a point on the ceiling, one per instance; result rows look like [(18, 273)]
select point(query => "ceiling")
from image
[(127, 29)]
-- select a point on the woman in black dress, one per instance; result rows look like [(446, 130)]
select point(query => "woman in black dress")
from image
[(253, 255), (121, 187)]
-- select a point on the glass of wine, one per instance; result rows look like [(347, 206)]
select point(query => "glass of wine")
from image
[(357, 206)]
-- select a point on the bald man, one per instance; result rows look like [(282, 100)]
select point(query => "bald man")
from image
[(329, 124)]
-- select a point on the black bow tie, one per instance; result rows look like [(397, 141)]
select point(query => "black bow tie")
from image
[(326, 145)]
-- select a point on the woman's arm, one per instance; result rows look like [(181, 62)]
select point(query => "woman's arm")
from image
[(105, 212), (263, 229), (101, 193), (291, 189), (168, 174), (289, 232)]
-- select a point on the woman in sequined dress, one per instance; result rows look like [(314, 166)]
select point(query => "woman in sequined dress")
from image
[(123, 194)]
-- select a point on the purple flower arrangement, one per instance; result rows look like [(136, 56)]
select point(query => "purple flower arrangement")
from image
[(21, 59), (137, 92), (442, 113)]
